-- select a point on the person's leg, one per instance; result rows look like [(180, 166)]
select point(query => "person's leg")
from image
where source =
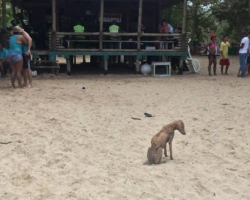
[(226, 69), (221, 66), (29, 73), (13, 74), (238, 72), (25, 71), (2, 71), (25, 75), (222, 69), (215, 64), (242, 57), (247, 68), (210, 61), (19, 67), (227, 63), (6, 66)]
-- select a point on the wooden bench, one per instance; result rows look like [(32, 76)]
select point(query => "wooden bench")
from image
[(38, 63)]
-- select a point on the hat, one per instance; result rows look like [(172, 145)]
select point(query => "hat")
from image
[(17, 29), (212, 35)]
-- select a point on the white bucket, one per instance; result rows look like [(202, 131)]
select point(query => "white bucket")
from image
[(34, 73)]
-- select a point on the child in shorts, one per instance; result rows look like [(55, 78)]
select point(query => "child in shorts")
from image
[(224, 60)]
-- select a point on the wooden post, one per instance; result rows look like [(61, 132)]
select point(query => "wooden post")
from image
[(137, 65), (54, 25), (139, 26), (4, 13), (106, 58), (184, 16), (57, 17), (68, 65), (101, 26)]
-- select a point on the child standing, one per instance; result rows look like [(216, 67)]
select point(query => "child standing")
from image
[(224, 60), (212, 52)]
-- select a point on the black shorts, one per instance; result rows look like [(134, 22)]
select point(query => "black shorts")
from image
[(26, 62)]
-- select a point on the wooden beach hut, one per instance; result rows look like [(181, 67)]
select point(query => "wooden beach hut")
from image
[(54, 21)]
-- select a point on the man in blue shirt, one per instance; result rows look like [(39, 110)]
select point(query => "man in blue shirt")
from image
[(4, 65)]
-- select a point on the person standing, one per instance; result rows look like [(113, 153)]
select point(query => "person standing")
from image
[(244, 44), (165, 27), (212, 52), (27, 74), (15, 56), (224, 59)]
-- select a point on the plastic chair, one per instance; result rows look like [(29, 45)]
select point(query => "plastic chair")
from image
[(167, 65), (193, 64)]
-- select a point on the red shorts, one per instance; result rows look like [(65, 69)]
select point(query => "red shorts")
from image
[(224, 62)]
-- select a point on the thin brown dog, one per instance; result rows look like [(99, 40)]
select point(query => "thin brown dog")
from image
[(160, 140)]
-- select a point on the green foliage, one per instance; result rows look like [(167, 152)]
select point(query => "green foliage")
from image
[(236, 14), (9, 16), (224, 17)]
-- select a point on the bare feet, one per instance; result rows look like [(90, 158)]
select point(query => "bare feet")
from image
[(29, 86)]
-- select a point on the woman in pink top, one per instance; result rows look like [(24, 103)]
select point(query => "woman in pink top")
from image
[(212, 52)]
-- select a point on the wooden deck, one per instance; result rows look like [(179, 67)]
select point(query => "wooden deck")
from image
[(158, 44)]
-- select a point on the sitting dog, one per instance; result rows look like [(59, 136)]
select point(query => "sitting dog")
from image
[(160, 140)]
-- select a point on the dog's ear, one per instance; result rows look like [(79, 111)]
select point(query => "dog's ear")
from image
[(181, 127)]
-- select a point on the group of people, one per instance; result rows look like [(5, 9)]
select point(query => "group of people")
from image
[(214, 50), (18, 56)]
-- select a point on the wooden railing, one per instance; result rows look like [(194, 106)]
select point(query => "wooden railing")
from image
[(122, 42)]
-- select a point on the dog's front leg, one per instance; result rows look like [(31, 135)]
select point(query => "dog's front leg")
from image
[(165, 150), (170, 149)]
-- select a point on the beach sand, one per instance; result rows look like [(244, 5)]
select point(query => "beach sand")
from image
[(62, 142)]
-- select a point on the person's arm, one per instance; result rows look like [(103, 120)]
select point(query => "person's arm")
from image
[(241, 45), (28, 39)]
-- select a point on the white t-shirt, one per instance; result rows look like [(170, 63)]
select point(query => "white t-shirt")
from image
[(245, 40)]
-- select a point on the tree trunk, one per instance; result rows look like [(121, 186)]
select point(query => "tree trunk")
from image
[(193, 34), (249, 11)]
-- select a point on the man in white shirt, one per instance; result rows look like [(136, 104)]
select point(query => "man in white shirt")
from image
[(244, 44)]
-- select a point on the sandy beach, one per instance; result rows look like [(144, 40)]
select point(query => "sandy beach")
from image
[(61, 142)]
